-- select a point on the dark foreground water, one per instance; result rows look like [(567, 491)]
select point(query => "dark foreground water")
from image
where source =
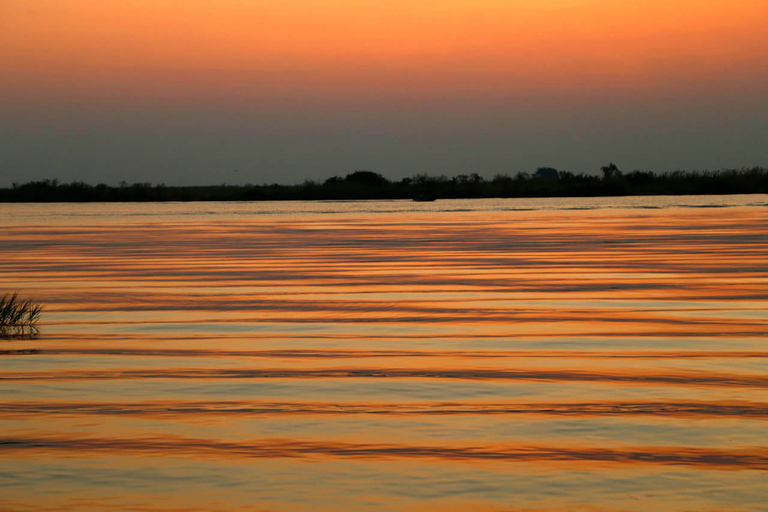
[(498, 355)]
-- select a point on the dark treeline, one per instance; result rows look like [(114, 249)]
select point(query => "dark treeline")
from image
[(545, 182)]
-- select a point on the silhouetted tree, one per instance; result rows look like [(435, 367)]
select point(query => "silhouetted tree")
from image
[(370, 185), (366, 177), (610, 171), (547, 173)]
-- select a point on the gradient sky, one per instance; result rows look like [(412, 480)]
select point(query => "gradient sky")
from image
[(188, 91)]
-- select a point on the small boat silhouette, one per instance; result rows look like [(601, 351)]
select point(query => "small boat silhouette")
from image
[(424, 196)]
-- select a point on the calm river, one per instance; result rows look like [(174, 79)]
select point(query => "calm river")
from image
[(470, 355)]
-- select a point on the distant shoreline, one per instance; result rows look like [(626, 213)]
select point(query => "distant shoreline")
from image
[(362, 185)]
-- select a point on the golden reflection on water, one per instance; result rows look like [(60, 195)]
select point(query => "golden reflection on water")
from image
[(608, 359)]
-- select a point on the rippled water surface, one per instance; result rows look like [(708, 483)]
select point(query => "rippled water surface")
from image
[(497, 355)]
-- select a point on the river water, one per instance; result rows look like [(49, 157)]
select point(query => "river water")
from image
[(490, 355)]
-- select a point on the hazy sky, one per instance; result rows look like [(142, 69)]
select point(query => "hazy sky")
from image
[(188, 91)]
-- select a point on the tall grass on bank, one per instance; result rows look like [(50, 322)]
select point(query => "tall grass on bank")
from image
[(18, 318)]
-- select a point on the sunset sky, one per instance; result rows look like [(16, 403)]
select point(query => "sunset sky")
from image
[(188, 91)]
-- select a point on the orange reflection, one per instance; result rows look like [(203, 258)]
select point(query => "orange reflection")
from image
[(189, 409), (748, 458), (556, 341), (696, 378)]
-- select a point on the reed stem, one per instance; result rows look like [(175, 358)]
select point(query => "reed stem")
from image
[(18, 317)]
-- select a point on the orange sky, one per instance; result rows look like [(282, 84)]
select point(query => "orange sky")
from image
[(479, 47), (456, 58)]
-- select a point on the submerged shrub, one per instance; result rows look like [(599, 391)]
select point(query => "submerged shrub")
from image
[(18, 317)]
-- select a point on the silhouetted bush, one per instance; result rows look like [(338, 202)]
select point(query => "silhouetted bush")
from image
[(545, 182)]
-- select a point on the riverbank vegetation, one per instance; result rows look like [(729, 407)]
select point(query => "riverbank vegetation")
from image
[(18, 318), (544, 182)]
